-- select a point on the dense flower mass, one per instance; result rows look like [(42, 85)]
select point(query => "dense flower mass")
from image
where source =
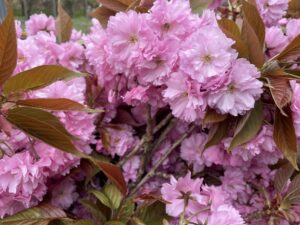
[(184, 107)]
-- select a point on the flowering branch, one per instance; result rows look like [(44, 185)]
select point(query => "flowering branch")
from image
[(161, 160), (143, 140)]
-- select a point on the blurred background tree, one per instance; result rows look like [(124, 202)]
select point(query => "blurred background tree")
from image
[(78, 9)]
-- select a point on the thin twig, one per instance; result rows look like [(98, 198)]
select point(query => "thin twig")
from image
[(163, 135), (143, 140), (163, 123), (147, 145), (161, 160), (34, 152)]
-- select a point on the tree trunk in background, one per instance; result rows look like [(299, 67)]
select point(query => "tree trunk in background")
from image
[(29, 7), (85, 7), (54, 8), (25, 9)]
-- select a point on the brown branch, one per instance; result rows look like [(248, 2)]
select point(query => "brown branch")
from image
[(161, 160), (143, 140)]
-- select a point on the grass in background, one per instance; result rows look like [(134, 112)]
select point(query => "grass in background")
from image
[(82, 23)]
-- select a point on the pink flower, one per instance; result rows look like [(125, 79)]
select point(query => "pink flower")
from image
[(206, 53), (275, 41), (130, 169), (71, 55), (40, 22), (225, 215), (272, 10), (192, 150), (95, 51), (233, 182), (19, 29), (54, 161), (240, 94), (29, 55), (128, 36), (183, 193), (22, 183), (172, 18), (185, 97), (121, 140), (292, 28), (64, 194), (157, 67), (208, 18), (149, 94)]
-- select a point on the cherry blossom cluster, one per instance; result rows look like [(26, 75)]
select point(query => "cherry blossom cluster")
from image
[(167, 61)]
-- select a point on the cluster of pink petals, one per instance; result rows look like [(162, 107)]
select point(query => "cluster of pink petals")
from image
[(198, 202), (187, 57), (168, 58), (24, 175), (272, 10)]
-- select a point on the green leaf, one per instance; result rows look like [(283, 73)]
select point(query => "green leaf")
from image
[(102, 198), (166, 222), (136, 221), (110, 196), (40, 215), (153, 214), (199, 5), (231, 30), (293, 49), (284, 135), (94, 209), (126, 210), (43, 126), (293, 194), (114, 195), (253, 34), (213, 117), (217, 133), (36, 78), (282, 176), (82, 222), (60, 104), (8, 46), (114, 222), (248, 127), (63, 25)]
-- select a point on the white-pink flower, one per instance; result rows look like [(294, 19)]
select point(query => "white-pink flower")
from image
[(239, 95), (183, 195), (225, 215), (185, 97), (272, 10)]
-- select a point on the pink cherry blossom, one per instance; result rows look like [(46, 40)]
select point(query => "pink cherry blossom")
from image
[(240, 94), (225, 215), (206, 53), (272, 10), (40, 22), (185, 97)]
